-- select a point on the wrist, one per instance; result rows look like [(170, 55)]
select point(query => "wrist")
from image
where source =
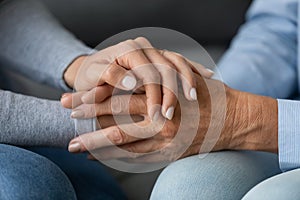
[(72, 70), (253, 122)]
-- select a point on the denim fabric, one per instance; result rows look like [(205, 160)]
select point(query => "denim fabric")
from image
[(27, 176), (282, 186), (89, 178), (227, 175)]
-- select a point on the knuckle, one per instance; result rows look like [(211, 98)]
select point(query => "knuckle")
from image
[(117, 136), (143, 41), (109, 73), (163, 52), (152, 76), (178, 59), (131, 43)]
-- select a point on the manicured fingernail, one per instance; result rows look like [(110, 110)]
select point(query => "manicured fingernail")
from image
[(129, 82), (193, 94), (77, 114), (209, 70), (73, 148), (170, 113)]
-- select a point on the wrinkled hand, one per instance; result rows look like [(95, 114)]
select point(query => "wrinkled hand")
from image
[(161, 140), (249, 123)]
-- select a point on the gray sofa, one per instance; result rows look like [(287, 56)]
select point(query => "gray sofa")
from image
[(211, 22)]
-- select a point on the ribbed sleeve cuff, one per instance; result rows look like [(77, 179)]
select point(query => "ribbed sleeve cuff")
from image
[(289, 134), (85, 125)]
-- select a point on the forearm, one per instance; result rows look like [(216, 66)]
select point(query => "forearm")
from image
[(35, 44), (254, 123), (29, 121)]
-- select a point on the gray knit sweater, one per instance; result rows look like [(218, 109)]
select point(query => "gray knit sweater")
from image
[(35, 45)]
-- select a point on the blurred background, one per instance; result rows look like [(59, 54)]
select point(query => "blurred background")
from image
[(212, 23)]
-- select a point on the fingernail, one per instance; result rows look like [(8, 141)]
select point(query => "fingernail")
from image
[(64, 95), (170, 113), (155, 116), (77, 114), (193, 94), (209, 70), (129, 82), (73, 148)]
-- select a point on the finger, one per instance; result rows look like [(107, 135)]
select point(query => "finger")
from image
[(117, 76), (98, 94), (143, 43), (132, 150), (196, 67), (185, 72), (107, 120), (144, 70), (119, 104), (142, 151), (102, 67), (169, 81), (66, 100), (71, 100), (115, 135), (200, 69)]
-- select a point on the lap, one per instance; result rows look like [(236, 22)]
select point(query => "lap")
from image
[(220, 175), (26, 175), (283, 186), (89, 178)]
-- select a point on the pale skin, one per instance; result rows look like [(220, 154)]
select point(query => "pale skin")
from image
[(121, 66), (250, 124)]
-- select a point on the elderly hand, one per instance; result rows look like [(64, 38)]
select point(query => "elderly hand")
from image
[(250, 123), (122, 65)]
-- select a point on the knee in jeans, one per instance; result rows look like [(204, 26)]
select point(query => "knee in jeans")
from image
[(283, 186), (213, 177), (26, 175)]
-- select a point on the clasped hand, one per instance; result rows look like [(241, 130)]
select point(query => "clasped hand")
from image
[(149, 103)]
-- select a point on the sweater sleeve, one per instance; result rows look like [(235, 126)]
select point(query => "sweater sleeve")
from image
[(262, 58), (34, 44), (30, 121)]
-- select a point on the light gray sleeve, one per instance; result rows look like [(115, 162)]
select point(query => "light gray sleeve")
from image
[(30, 121), (34, 44)]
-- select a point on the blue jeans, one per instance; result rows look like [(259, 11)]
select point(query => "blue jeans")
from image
[(28, 176), (228, 175)]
